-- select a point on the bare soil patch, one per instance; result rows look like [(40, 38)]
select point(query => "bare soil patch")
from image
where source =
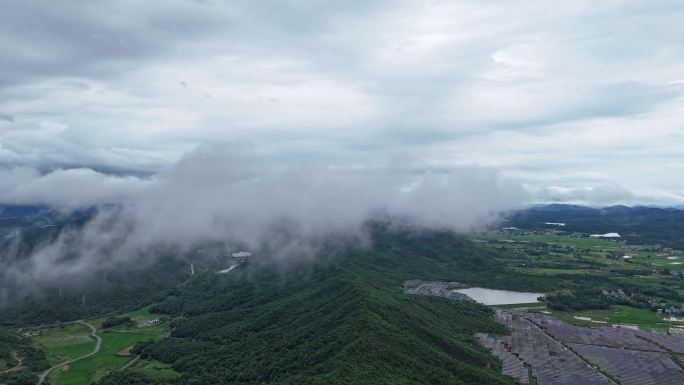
[(125, 352)]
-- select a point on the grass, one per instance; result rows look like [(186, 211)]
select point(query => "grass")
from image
[(91, 369), (521, 305), (141, 314), (548, 271), (616, 314), (3, 364), (588, 255), (136, 315), (66, 342), (580, 242), (155, 369)]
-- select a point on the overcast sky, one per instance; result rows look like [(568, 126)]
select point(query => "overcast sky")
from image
[(574, 100)]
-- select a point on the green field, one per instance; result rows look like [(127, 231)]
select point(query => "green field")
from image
[(545, 271), (616, 314), (582, 242), (136, 315), (93, 368), (140, 314), (578, 242), (530, 305), (573, 254), (155, 369), (66, 342)]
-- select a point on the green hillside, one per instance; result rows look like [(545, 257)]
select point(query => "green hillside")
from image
[(342, 320), (19, 359)]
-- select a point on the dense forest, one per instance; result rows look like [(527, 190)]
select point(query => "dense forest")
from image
[(21, 359), (25, 228), (100, 294), (343, 319)]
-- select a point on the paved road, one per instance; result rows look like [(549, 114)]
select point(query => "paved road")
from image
[(98, 344)]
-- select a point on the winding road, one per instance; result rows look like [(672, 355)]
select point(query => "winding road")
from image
[(16, 367), (98, 343)]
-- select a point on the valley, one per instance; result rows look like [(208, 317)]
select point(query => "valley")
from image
[(348, 315)]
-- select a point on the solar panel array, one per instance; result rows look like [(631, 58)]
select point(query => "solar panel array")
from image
[(511, 365), (551, 362), (633, 367), (558, 353), (674, 344), (602, 336)]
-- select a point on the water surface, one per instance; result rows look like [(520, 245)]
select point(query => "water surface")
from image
[(499, 297)]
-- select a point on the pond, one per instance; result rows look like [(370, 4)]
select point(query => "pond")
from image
[(499, 297)]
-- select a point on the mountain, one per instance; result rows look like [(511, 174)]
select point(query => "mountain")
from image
[(637, 224), (342, 319)]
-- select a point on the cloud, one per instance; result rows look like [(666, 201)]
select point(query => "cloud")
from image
[(600, 195), (222, 193), (66, 189), (603, 195), (538, 90)]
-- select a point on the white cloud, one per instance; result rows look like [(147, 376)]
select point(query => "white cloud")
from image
[(220, 193), (66, 189), (556, 94)]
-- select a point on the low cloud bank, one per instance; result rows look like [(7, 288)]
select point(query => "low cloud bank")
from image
[(219, 193), (67, 189), (603, 195)]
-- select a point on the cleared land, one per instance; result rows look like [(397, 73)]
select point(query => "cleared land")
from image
[(71, 341), (616, 314), (88, 370), (64, 366), (65, 342), (154, 369)]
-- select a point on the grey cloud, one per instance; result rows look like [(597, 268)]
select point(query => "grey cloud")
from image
[(97, 85), (600, 195), (7, 118), (101, 40), (602, 100), (66, 189), (220, 193)]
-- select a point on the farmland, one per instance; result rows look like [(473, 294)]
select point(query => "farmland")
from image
[(65, 343), (155, 370), (616, 314), (357, 304), (68, 342), (93, 368)]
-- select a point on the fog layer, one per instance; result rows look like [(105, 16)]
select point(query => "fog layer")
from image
[(220, 193)]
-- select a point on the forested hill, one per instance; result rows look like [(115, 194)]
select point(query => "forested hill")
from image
[(343, 319), (635, 224)]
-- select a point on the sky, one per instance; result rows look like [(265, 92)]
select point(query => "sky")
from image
[(577, 101)]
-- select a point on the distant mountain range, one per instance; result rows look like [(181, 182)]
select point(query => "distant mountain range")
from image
[(37, 215), (639, 224)]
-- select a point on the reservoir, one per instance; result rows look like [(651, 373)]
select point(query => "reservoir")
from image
[(499, 297)]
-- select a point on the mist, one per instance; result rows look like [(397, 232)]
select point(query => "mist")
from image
[(225, 193)]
